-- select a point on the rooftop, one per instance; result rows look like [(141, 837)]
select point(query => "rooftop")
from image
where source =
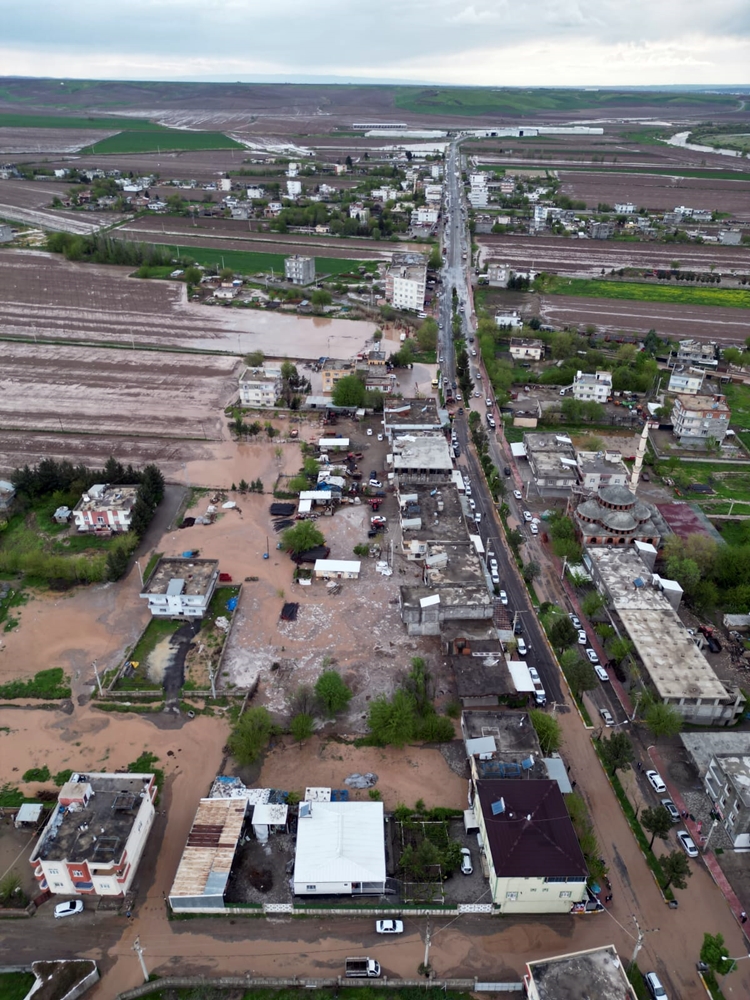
[(716, 404), (434, 518), (512, 731), (457, 596), (258, 375), (97, 831), (334, 364), (428, 452), (408, 413), (601, 461), (737, 769), (102, 496), (479, 676), (597, 974), (341, 842), (685, 519), (703, 746), (211, 845), (533, 836), (559, 444), (195, 575)]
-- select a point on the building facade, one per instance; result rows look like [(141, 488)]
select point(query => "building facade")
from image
[(105, 509), (260, 386), (687, 383), (510, 319), (596, 387), (299, 270), (526, 350), (699, 420), (727, 782), (181, 587), (406, 281)]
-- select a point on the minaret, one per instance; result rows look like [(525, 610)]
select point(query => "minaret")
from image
[(640, 455)]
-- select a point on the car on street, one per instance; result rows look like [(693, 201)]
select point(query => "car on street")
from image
[(380, 437), (477, 517), (601, 673), (521, 646), (441, 359), (533, 529), (477, 393), (503, 597), (472, 505), (582, 637), (68, 909), (527, 515), (687, 843), (473, 353), (656, 782), (607, 716), (518, 495), (593, 658), (671, 808), (467, 488), (389, 926), (655, 987), (466, 866), (575, 619), (488, 402), (376, 484), (495, 576), (369, 432)]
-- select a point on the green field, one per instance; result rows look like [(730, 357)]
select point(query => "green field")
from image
[(674, 293), (740, 140), (63, 121), (714, 175), (249, 262), (162, 140), (470, 101)]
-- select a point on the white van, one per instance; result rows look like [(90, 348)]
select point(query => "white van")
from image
[(521, 645)]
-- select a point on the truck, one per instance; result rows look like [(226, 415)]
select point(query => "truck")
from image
[(540, 696), (362, 968)]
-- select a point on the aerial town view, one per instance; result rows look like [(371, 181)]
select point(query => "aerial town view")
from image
[(374, 504)]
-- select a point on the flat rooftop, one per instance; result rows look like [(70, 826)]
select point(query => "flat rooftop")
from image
[(99, 831), (596, 975), (513, 733), (409, 413), (196, 575), (481, 676), (703, 746), (211, 845), (429, 453), (334, 364), (462, 567), (597, 461), (559, 444), (703, 402), (476, 597), (441, 515), (102, 497)]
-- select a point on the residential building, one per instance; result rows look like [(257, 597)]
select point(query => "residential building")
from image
[(413, 416), (597, 974), (728, 237), (615, 516), (501, 743), (272, 209), (433, 194), (688, 383), (226, 291), (539, 216), (698, 421), (552, 461), (293, 189), (596, 386), (697, 352), (507, 186), (601, 468), (424, 215), (377, 357), (260, 387), (509, 319), (406, 281), (358, 211), (6, 233), (96, 834), (530, 846), (181, 587), (479, 197), (522, 349), (337, 569), (601, 230), (299, 270), (385, 193), (340, 849), (624, 208), (475, 656), (334, 370), (105, 509), (727, 782), (436, 171), (499, 275), (424, 458)]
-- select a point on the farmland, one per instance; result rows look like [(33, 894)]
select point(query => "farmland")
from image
[(679, 294), (168, 140), (251, 262), (28, 201)]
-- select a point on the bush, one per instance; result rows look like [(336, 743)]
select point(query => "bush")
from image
[(332, 693), (250, 736), (63, 776), (37, 774), (302, 727), (47, 684)]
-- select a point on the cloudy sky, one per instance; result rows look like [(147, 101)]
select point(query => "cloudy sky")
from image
[(485, 42)]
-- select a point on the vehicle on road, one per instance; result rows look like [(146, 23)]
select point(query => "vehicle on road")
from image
[(473, 353), (376, 484), (389, 927), (459, 398), (518, 495), (503, 597), (607, 716), (527, 515), (488, 402), (687, 843), (495, 576), (477, 517), (362, 968), (575, 619), (472, 505), (521, 646), (540, 695), (68, 909), (671, 808), (656, 782), (592, 656), (582, 637), (533, 529), (477, 393), (655, 987), (466, 866), (601, 673)]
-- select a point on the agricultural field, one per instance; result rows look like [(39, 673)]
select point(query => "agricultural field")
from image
[(740, 140), (168, 140), (251, 262), (678, 293), (28, 202)]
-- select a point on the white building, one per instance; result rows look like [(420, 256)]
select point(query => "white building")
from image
[(478, 197), (433, 194), (596, 387), (625, 208), (254, 191), (181, 587), (509, 319), (337, 569), (105, 509), (424, 216), (687, 383), (293, 189), (260, 387), (225, 184), (358, 211), (522, 349), (385, 194), (340, 849), (299, 270), (406, 281), (730, 237), (96, 834)]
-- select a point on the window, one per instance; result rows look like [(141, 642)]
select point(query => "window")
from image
[(513, 896), (77, 873), (54, 871), (58, 885), (556, 878), (566, 894), (311, 888)]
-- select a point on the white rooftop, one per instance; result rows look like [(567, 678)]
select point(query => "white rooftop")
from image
[(341, 842)]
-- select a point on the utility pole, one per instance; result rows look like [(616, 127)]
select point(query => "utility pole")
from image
[(98, 682), (137, 948)]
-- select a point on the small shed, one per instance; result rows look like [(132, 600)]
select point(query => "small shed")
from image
[(268, 817), (62, 515), (28, 815), (337, 569)]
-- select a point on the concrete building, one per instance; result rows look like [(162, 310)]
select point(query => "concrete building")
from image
[(105, 509), (689, 383), (337, 569), (522, 349), (299, 270), (475, 655), (596, 387), (340, 849), (698, 421), (624, 208), (334, 370), (406, 281), (498, 275), (552, 461), (601, 230), (260, 387), (730, 237), (597, 974), (413, 416), (180, 587), (697, 352), (601, 468), (727, 783), (433, 193), (293, 189), (679, 673), (93, 842), (509, 319), (6, 233), (501, 743), (423, 458), (359, 212), (424, 215), (530, 846), (615, 516)]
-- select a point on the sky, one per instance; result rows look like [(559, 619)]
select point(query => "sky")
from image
[(484, 43)]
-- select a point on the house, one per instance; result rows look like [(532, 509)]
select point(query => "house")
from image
[(433, 194), (358, 211), (552, 461), (698, 421), (384, 193), (406, 281), (601, 468), (334, 370), (253, 192), (181, 587), (730, 237), (337, 569), (260, 386), (475, 656), (597, 974), (727, 782), (534, 859), (697, 352), (688, 383), (93, 842), (624, 208), (596, 386), (340, 849), (6, 233), (413, 416), (208, 855), (509, 319), (601, 230), (226, 291), (499, 274), (105, 508), (615, 516), (522, 349), (424, 216), (500, 743), (293, 189), (272, 209), (299, 270)]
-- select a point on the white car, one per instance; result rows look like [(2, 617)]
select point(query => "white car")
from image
[(687, 843), (493, 565), (656, 782), (380, 437), (466, 866), (527, 515), (369, 432), (68, 909), (533, 529), (389, 926), (495, 577), (488, 402), (467, 488), (607, 716), (503, 597), (672, 809), (376, 484), (518, 495), (575, 619), (477, 517), (477, 393), (582, 637), (472, 505), (473, 353), (601, 673), (593, 658), (459, 398), (655, 987)]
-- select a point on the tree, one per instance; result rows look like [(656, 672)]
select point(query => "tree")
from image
[(304, 701), (563, 633), (320, 297), (716, 955), (592, 604), (617, 752), (302, 537), (302, 727), (676, 869), (581, 677), (435, 261), (732, 355), (377, 336), (250, 735), (349, 391), (663, 720), (332, 693), (619, 648), (192, 275), (392, 721), (117, 562), (548, 731), (141, 516), (417, 684), (427, 335), (255, 359), (531, 571), (658, 822)]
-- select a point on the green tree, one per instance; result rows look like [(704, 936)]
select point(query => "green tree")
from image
[(192, 275), (732, 355), (663, 720), (332, 693), (563, 632), (435, 260), (349, 391), (581, 677), (320, 297), (140, 516), (255, 359), (657, 822), (619, 648), (686, 572), (250, 735), (392, 722), (531, 571), (302, 727), (716, 955), (427, 335), (592, 604), (117, 562), (302, 537), (617, 752), (377, 336), (417, 683), (676, 869), (548, 731)]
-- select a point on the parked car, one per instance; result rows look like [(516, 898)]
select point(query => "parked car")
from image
[(527, 515), (533, 529), (466, 866), (575, 619), (389, 926), (68, 909), (493, 565), (503, 597), (582, 637), (671, 808), (687, 843), (495, 577), (477, 517), (655, 987), (375, 483), (607, 716), (488, 402), (656, 782), (472, 505), (592, 656), (369, 432), (518, 495), (521, 646), (601, 673), (380, 437)]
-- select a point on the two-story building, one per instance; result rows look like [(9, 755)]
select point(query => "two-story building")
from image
[(522, 349), (181, 587), (686, 383), (105, 509), (699, 353), (699, 420), (601, 468), (333, 370), (260, 386), (596, 387)]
